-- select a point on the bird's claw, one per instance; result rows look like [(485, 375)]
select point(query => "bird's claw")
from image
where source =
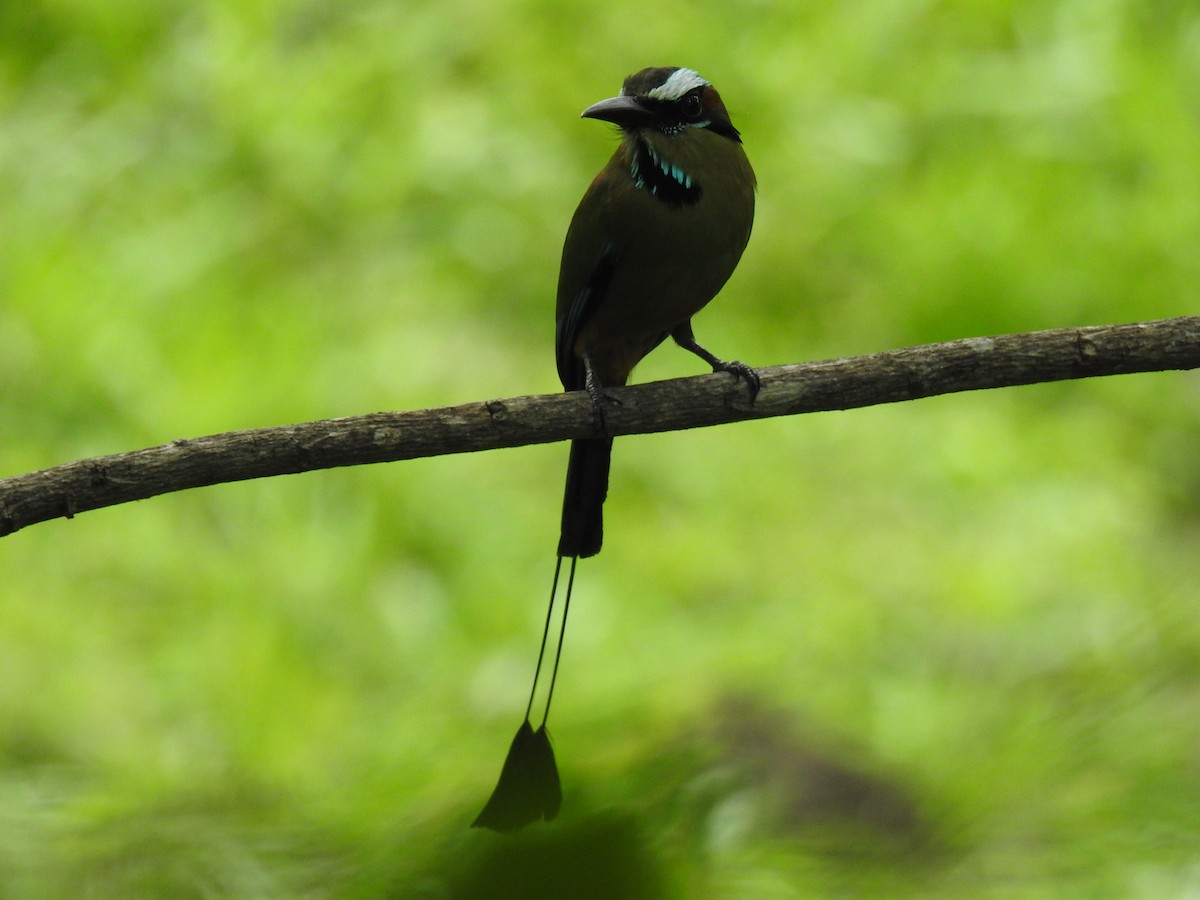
[(598, 395), (741, 371), (599, 399)]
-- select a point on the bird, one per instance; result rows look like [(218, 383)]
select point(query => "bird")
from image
[(655, 237)]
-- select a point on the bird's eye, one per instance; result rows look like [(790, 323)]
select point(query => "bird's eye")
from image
[(692, 106)]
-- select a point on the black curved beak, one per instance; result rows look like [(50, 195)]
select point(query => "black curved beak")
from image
[(623, 111)]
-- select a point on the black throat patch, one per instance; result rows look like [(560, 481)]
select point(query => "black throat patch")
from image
[(669, 183)]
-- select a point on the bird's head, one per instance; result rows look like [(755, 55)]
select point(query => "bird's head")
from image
[(666, 99), (678, 139)]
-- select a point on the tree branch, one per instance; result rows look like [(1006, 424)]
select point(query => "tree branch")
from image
[(889, 377)]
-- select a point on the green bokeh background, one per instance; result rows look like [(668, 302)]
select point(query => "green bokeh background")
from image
[(939, 649)]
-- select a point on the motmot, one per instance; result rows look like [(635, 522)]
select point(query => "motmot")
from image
[(655, 237)]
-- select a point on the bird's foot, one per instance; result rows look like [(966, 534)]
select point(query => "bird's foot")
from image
[(740, 370), (598, 403), (599, 397), (684, 338)]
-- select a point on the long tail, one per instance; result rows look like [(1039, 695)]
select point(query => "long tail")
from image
[(583, 502), (529, 788), (582, 535)]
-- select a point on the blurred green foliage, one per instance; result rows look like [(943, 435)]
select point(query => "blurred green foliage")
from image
[(943, 648)]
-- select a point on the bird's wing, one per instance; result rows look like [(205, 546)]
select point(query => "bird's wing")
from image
[(583, 279)]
